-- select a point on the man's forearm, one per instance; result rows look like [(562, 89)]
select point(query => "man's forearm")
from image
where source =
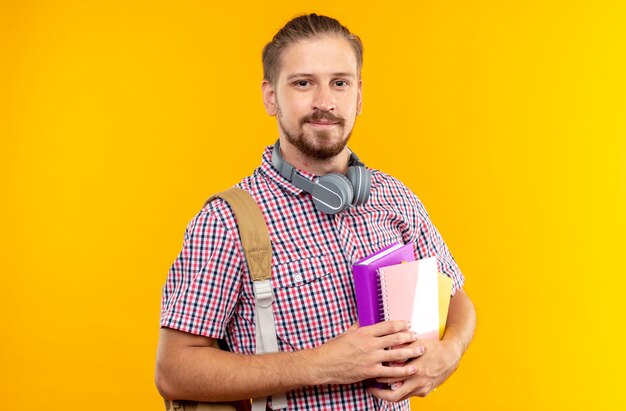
[(189, 368), (208, 374), (461, 321)]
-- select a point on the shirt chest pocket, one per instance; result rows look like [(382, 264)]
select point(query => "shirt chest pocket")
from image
[(309, 307)]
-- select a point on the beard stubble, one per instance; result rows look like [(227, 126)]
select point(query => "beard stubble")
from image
[(317, 144)]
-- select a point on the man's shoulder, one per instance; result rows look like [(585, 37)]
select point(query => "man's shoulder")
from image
[(384, 181), (389, 189), (382, 177), (254, 184)]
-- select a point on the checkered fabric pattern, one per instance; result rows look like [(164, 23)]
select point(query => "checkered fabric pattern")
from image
[(209, 291)]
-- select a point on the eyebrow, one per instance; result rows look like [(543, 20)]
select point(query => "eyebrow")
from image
[(297, 75)]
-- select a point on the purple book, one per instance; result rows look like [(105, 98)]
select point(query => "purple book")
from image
[(365, 273)]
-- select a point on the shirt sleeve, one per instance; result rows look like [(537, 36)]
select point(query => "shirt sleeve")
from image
[(427, 240), (430, 243), (203, 283)]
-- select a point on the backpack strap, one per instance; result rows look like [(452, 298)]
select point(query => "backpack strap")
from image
[(257, 246)]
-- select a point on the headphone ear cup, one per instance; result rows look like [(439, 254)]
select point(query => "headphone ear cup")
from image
[(361, 180), (332, 193)]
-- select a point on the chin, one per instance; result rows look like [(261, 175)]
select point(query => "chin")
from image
[(323, 147), (317, 144)]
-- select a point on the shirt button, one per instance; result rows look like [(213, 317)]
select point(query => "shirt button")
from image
[(298, 278)]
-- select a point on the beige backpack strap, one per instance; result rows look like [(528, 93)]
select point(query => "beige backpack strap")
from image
[(253, 232), (257, 246)]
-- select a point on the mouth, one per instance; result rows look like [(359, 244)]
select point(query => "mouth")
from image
[(322, 120), (322, 124)]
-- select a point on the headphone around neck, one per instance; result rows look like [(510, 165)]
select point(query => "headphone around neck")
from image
[(333, 192)]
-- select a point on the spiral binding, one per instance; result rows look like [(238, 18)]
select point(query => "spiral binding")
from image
[(382, 297)]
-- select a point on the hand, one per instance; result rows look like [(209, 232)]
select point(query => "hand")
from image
[(360, 353), (439, 361)]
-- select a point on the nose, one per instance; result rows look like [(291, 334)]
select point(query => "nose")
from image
[(324, 99)]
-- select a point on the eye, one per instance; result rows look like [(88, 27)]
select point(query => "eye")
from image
[(341, 83), (301, 83)]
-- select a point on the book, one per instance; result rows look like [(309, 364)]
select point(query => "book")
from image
[(397, 292), (366, 279), (410, 292), (445, 292)]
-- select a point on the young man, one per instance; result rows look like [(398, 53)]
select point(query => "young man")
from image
[(312, 85)]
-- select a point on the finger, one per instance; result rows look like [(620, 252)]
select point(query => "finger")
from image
[(387, 327), (401, 355), (423, 393), (399, 391), (385, 394), (398, 340), (389, 380), (396, 373), (395, 385), (392, 380)]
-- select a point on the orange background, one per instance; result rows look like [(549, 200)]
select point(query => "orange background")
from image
[(506, 118)]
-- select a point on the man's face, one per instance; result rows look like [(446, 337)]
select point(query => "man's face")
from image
[(317, 95)]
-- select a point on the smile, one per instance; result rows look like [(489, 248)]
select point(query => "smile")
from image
[(321, 124)]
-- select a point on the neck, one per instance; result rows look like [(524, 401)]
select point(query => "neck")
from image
[(336, 164)]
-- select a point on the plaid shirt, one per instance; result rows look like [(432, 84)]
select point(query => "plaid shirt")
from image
[(209, 291)]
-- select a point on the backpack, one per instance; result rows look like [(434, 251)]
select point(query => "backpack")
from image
[(258, 252)]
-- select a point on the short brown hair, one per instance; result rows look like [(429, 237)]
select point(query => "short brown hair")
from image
[(305, 27)]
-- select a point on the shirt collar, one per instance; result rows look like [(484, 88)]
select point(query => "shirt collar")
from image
[(270, 172)]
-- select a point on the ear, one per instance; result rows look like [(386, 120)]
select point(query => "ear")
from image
[(269, 98), (359, 98)]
